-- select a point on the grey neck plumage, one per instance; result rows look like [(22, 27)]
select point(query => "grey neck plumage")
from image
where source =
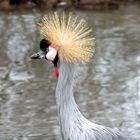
[(68, 112), (74, 126)]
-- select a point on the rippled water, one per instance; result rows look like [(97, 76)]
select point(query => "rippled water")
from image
[(108, 89)]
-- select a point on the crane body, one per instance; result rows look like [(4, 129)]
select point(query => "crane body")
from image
[(74, 126)]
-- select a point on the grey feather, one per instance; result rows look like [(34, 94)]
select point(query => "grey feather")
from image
[(74, 126)]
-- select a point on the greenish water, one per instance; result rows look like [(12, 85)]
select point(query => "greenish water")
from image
[(107, 91)]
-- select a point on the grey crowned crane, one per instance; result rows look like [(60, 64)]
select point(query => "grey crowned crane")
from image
[(66, 42)]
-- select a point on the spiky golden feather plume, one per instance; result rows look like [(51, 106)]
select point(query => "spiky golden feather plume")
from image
[(72, 37)]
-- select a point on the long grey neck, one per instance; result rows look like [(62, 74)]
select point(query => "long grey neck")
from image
[(68, 111), (73, 125)]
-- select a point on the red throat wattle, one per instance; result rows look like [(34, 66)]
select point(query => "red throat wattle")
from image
[(56, 72)]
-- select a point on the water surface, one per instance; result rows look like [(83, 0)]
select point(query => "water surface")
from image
[(107, 90)]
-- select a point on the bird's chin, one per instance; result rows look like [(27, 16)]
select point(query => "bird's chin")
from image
[(56, 72)]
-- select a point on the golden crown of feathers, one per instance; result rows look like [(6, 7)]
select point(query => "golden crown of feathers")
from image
[(72, 37)]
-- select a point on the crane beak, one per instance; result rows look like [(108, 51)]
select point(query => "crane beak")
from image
[(39, 55)]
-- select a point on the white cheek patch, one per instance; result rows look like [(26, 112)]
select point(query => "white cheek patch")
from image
[(51, 54)]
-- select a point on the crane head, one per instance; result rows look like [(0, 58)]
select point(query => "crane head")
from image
[(47, 51), (66, 37), (71, 36)]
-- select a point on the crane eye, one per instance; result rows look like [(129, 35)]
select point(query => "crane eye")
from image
[(44, 45)]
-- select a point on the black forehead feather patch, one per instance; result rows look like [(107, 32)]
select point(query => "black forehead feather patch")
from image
[(44, 44)]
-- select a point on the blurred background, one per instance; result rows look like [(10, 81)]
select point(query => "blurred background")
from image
[(107, 90)]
